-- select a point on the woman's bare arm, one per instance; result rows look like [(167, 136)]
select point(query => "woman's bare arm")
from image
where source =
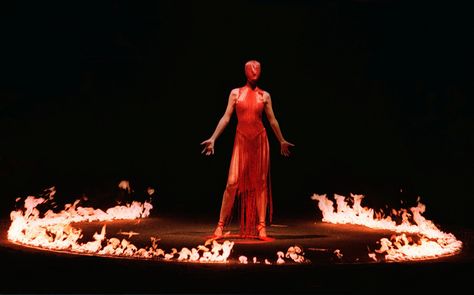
[(209, 143), (284, 145)]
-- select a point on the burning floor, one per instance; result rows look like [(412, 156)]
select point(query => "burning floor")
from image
[(353, 272), (303, 255), (416, 237), (320, 243)]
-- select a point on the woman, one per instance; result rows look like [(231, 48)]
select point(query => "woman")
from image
[(249, 172)]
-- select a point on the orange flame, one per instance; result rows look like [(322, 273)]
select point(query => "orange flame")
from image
[(433, 242), (54, 231)]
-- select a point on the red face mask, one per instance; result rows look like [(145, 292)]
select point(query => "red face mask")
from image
[(252, 72)]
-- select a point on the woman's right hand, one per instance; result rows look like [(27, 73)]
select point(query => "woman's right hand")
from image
[(208, 147)]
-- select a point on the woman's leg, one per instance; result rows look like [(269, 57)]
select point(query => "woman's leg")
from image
[(261, 211), (263, 197), (228, 197), (226, 208)]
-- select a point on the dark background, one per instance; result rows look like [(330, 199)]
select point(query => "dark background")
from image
[(376, 96)]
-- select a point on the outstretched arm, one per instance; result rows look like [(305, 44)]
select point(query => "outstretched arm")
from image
[(284, 145), (209, 143)]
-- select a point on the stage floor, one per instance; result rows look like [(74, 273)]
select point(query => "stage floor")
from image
[(29, 270)]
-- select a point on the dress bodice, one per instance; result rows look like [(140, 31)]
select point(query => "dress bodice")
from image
[(249, 107)]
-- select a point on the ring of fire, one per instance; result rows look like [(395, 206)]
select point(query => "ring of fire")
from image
[(416, 237)]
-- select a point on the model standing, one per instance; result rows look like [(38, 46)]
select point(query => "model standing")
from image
[(249, 172)]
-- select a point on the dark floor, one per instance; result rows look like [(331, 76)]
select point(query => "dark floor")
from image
[(28, 270)]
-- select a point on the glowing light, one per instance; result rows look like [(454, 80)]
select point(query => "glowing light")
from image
[(432, 243), (54, 231)]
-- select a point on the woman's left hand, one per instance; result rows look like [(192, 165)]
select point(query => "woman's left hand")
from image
[(285, 148)]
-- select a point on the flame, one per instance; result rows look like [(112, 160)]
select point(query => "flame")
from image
[(129, 233), (294, 253), (125, 185), (433, 242), (150, 191), (54, 231), (243, 259), (280, 256)]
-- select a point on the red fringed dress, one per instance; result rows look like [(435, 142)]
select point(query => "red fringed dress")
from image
[(250, 163)]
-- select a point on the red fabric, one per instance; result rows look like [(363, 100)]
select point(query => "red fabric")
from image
[(252, 71), (250, 164)]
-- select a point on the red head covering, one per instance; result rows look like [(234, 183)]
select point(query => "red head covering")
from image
[(252, 71)]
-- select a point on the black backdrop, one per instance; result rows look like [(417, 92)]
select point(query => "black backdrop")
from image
[(376, 95)]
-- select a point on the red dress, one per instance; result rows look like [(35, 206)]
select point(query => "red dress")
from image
[(250, 164)]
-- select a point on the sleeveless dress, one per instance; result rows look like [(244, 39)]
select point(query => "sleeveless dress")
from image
[(250, 163)]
